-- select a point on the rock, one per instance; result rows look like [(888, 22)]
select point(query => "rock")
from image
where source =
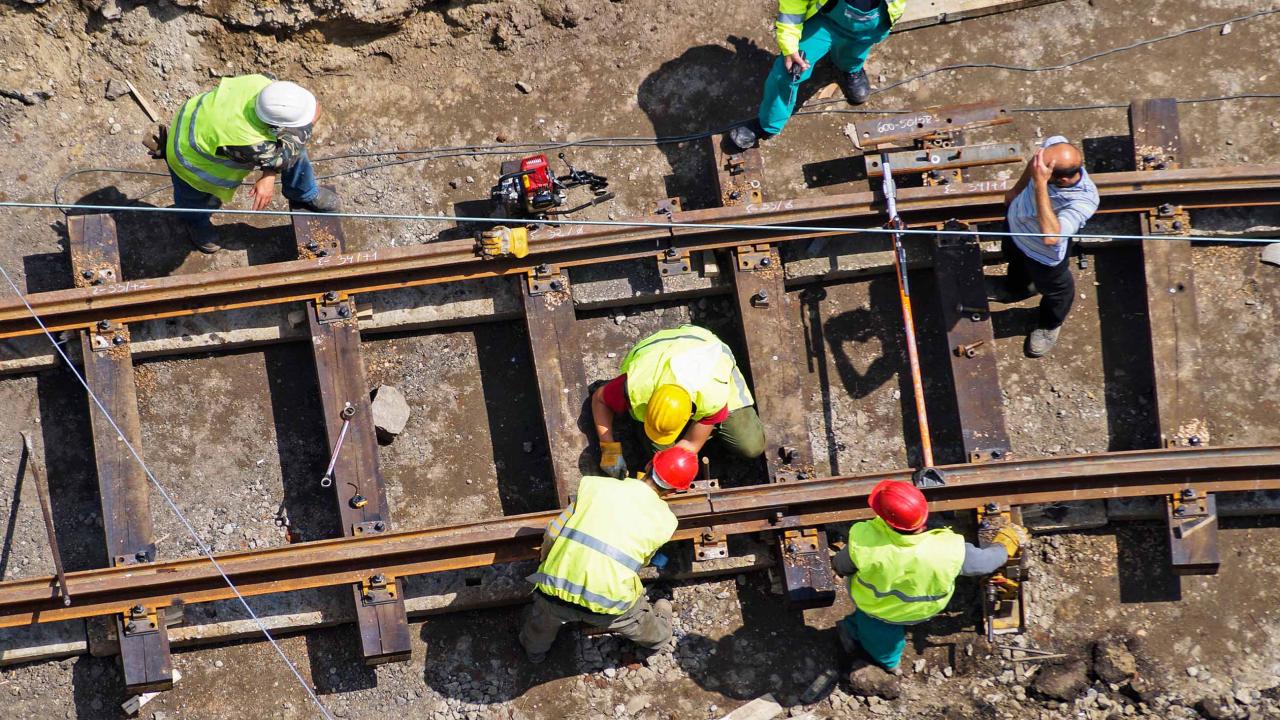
[(637, 703), (872, 681), (1112, 661), (1062, 681), (390, 412), (115, 89), (564, 13), (1193, 671), (1215, 709), (1226, 29), (918, 665), (524, 87), (34, 97)]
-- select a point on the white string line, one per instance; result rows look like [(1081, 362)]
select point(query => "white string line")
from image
[(629, 223), (208, 553)]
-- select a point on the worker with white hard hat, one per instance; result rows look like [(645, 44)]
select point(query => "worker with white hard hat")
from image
[(246, 123)]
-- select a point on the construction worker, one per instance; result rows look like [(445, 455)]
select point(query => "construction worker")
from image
[(900, 574), (1054, 198), (246, 123), (807, 30), (682, 383), (593, 551)]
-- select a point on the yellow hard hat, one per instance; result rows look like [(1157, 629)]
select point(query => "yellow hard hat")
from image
[(669, 410)]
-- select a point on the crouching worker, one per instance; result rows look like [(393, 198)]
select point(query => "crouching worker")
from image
[(592, 554), (901, 574)]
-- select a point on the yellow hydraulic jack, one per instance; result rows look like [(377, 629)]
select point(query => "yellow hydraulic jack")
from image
[(1003, 601)]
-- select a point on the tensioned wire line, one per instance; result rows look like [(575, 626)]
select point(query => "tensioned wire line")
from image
[(769, 227), (438, 153), (204, 548)]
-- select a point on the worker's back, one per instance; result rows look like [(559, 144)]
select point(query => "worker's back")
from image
[(616, 526), (901, 577)]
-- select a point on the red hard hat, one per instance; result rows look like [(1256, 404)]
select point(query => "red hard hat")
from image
[(675, 468), (900, 504)]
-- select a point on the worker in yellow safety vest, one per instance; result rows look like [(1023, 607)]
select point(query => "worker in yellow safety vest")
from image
[(592, 554), (901, 574), (807, 30), (682, 384), (247, 123)]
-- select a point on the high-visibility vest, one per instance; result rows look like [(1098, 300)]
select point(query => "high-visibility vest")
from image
[(222, 117), (691, 357), (903, 578), (615, 528), (793, 13)]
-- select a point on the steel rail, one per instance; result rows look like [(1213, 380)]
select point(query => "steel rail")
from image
[(735, 511), (569, 246)]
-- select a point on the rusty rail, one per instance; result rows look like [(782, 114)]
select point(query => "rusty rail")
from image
[(568, 246), (741, 510)]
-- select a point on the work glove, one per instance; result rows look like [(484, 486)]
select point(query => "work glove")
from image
[(1012, 537), (611, 460), (502, 241)]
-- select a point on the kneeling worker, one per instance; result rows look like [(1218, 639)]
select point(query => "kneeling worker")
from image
[(592, 554), (900, 574), (246, 123), (675, 378)]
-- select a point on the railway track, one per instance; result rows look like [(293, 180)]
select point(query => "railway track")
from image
[(373, 558)]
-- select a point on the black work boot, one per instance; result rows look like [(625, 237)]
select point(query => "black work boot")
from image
[(857, 88), (203, 238), (325, 201), (743, 137)]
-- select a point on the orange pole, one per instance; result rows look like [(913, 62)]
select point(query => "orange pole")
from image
[(913, 357)]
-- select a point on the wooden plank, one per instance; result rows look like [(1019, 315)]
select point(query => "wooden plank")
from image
[(357, 479), (122, 484), (925, 13), (1174, 326), (975, 377), (562, 379), (767, 315)]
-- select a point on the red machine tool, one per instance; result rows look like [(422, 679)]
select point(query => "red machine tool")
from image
[(529, 189)]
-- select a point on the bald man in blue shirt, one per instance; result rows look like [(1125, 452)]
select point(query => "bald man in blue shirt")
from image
[(1052, 201)]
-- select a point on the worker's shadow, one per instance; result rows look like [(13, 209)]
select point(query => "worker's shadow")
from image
[(851, 338), (774, 651), (155, 244), (477, 659), (707, 88)]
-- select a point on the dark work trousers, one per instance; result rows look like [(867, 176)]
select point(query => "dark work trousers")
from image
[(1055, 284)]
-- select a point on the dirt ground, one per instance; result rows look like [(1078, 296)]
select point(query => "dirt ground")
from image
[(234, 434)]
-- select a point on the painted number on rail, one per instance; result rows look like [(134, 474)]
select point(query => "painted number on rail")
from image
[(768, 207), (351, 259), (564, 231), (119, 288), (976, 187), (906, 123)]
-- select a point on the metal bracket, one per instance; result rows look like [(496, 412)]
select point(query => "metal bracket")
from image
[(1167, 220), (378, 589), (146, 555), (104, 335), (372, 527), (806, 569), (100, 275), (981, 456), (710, 544), (755, 257), (141, 620), (674, 262), (1157, 158), (1192, 519), (547, 278), (332, 307)]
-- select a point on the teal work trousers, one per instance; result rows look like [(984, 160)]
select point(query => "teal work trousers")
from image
[(883, 642), (844, 33)]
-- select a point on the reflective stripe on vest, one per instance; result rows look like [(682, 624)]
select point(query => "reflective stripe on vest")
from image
[(649, 365), (223, 117), (615, 527), (903, 578)]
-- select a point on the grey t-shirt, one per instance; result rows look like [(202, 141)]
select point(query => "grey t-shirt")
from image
[(1073, 205)]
